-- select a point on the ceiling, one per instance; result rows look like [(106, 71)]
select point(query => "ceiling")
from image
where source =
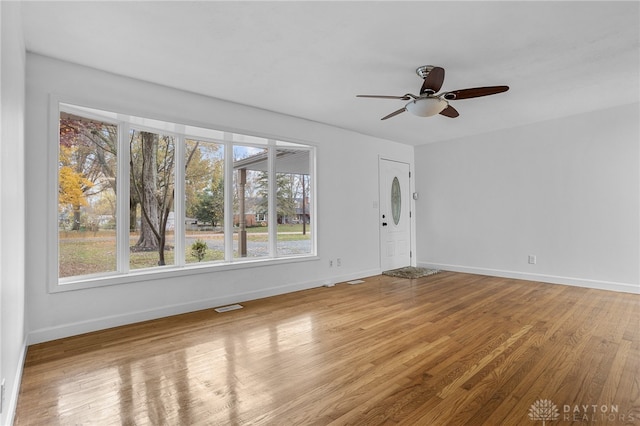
[(311, 59)]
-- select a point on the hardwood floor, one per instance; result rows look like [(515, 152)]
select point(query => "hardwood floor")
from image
[(448, 349)]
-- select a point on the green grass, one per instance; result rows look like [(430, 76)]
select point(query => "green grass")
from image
[(83, 253), (80, 257)]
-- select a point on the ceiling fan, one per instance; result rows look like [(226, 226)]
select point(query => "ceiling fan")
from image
[(429, 102)]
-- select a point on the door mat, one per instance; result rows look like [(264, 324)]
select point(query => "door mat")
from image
[(410, 272)]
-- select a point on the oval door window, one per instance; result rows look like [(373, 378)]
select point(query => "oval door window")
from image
[(396, 199)]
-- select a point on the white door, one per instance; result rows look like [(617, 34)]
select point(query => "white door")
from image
[(395, 215)]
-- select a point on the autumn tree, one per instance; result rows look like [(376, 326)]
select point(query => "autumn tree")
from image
[(87, 162), (72, 186), (88, 166)]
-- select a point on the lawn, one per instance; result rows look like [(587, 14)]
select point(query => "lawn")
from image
[(82, 253)]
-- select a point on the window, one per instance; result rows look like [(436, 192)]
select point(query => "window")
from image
[(138, 196), (292, 202), (151, 199), (251, 200), (87, 173), (204, 199)]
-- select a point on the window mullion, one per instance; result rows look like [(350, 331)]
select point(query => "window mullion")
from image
[(228, 198), (179, 202), (122, 201), (313, 192), (272, 205)]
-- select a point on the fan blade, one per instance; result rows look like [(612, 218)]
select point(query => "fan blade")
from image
[(394, 113), (449, 112), (475, 92), (433, 81), (404, 98)]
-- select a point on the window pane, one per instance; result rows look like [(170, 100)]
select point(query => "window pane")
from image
[(250, 202), (152, 219), (293, 202), (204, 201), (86, 196)]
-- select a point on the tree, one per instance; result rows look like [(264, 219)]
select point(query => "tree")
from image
[(204, 176), (72, 187), (88, 166), (87, 161), (285, 202), (153, 182), (152, 161), (304, 191), (208, 206), (286, 196)]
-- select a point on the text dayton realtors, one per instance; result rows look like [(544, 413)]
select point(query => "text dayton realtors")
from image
[(594, 412)]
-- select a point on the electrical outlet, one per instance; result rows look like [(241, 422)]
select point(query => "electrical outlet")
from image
[(532, 259), (339, 262), (330, 263)]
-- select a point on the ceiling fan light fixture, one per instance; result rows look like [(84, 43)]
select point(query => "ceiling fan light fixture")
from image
[(428, 103), (426, 107)]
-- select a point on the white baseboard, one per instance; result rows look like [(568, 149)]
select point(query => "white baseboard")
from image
[(353, 276), (15, 391), (551, 279), (73, 329)]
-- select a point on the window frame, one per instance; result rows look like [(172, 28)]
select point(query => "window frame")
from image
[(231, 138)]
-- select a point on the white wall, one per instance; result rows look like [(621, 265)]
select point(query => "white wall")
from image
[(347, 190), (566, 191), (12, 261)]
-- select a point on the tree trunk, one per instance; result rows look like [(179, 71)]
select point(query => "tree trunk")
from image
[(149, 224), (304, 209), (163, 235), (133, 218), (75, 226)]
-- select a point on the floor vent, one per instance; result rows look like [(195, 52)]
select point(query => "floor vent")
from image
[(355, 282), (228, 308)]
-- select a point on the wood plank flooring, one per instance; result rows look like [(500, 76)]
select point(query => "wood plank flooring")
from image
[(448, 349)]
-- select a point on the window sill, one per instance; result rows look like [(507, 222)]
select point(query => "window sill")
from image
[(88, 282)]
